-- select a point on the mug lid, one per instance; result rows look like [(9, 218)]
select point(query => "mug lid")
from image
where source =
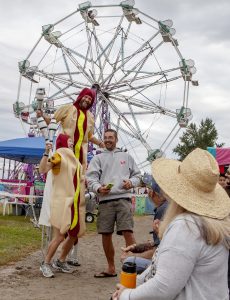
[(129, 267)]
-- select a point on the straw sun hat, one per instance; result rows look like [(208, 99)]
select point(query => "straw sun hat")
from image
[(193, 184)]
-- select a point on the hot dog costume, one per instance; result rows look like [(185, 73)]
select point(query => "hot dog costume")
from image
[(78, 124), (65, 166)]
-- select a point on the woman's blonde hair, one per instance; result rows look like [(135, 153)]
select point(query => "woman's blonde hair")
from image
[(213, 231)]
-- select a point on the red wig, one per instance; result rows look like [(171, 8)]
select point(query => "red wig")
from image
[(85, 92), (62, 141)]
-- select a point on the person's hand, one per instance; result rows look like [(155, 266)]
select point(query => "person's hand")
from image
[(150, 194), (103, 190), (101, 145), (48, 147), (126, 254), (39, 113), (127, 184), (156, 224), (129, 248), (120, 289)]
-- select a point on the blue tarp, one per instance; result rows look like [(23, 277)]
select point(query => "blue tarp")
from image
[(27, 150), (212, 150)]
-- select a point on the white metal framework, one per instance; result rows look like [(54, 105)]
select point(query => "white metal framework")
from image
[(133, 61)]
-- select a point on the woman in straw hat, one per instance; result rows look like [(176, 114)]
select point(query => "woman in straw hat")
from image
[(191, 261)]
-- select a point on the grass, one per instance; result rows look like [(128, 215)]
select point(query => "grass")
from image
[(91, 227), (18, 237)]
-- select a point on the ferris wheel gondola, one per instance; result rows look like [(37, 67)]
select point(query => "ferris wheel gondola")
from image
[(133, 62)]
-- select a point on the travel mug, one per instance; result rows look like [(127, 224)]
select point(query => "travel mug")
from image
[(128, 275)]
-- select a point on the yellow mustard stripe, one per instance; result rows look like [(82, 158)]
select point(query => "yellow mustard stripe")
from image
[(76, 199), (81, 134)]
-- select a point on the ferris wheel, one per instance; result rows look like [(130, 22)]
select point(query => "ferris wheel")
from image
[(130, 58)]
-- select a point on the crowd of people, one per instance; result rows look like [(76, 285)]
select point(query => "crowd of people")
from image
[(188, 253)]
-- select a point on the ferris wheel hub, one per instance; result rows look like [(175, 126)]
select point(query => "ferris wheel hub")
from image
[(96, 86)]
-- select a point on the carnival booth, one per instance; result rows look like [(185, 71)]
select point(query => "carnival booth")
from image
[(21, 185), (141, 204), (222, 156)]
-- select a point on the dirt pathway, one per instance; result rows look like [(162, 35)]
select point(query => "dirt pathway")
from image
[(23, 280)]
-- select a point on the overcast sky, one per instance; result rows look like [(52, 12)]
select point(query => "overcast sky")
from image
[(202, 30)]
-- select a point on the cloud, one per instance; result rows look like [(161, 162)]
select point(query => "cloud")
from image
[(202, 32)]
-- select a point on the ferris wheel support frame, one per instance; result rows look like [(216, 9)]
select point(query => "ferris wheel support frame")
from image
[(110, 90)]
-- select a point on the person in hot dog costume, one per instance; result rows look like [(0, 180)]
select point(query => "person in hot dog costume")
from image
[(66, 193), (78, 123)]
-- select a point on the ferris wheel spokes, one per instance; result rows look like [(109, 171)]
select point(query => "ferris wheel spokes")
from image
[(127, 72), (125, 61), (128, 61), (148, 75), (120, 53), (149, 107), (126, 122), (109, 47), (147, 85)]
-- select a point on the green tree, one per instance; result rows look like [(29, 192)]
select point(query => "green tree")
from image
[(202, 136)]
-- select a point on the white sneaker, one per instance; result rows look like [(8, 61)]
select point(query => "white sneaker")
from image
[(46, 270)]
